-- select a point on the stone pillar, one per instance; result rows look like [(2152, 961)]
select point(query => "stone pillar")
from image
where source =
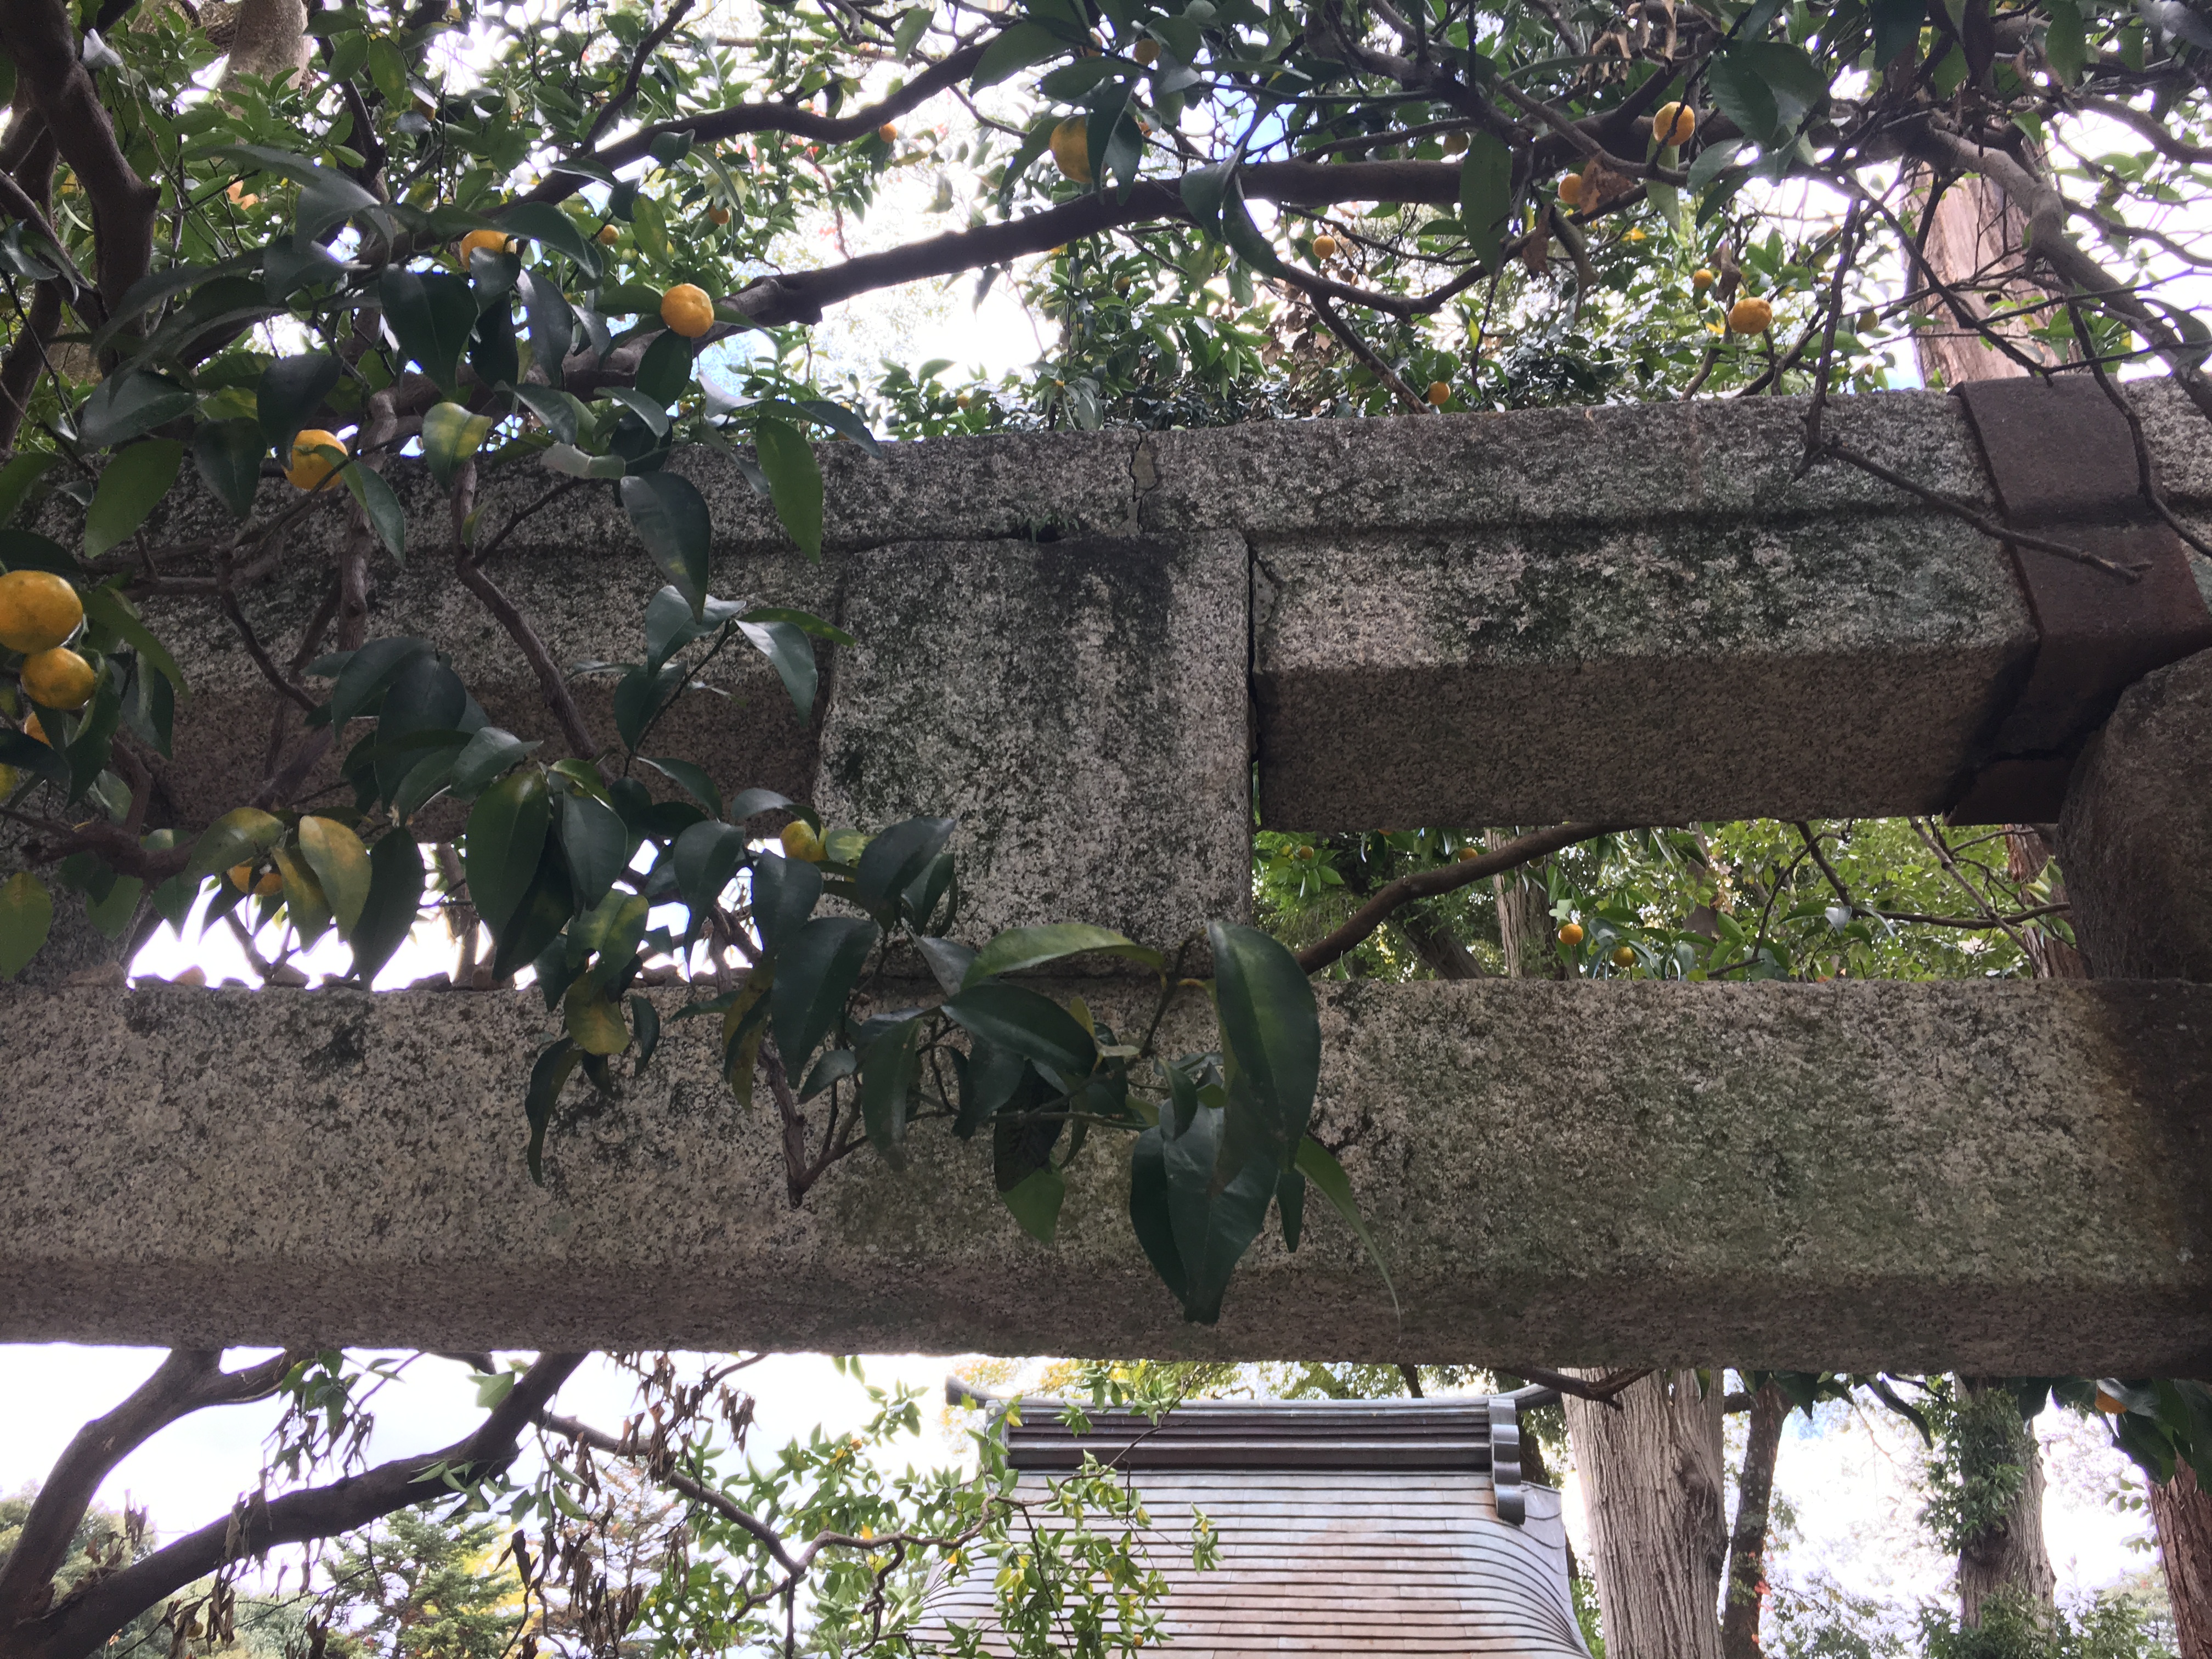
[(2136, 841)]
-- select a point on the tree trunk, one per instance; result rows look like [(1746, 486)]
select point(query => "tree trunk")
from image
[(2182, 1511), (2008, 1558), (269, 37), (1974, 246), (1654, 1482), (1524, 921), (1754, 1494)]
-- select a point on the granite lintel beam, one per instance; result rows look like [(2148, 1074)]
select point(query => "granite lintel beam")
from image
[(2008, 1178)]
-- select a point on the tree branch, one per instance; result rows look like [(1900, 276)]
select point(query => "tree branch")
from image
[(84, 1623), (1427, 883)]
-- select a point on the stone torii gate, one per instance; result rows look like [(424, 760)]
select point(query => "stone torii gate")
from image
[(1089, 647)]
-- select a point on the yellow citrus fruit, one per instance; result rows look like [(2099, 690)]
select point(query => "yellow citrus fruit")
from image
[(1468, 854), (800, 841), (1570, 190), (1122, 285), (59, 678), (1071, 148), (1324, 246), (1146, 52), (2109, 1405), (1439, 393), (1571, 934), (34, 732), (1624, 958), (1750, 315), (718, 215), (1636, 233), (965, 401), (687, 309), (270, 884), (1701, 279), (310, 466), (1673, 123), (608, 236), (1454, 143), (38, 611), (887, 132), (489, 241)]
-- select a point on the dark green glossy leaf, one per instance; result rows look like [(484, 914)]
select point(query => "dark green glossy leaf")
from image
[(597, 843), (543, 222), (537, 921), (1013, 50), (492, 353), (291, 391), (1035, 1201), (670, 517), (646, 1019), (1270, 1032), (422, 697), (554, 1068), (560, 412), (706, 857), (1150, 1214), (815, 972), (1319, 1165), (228, 456), (794, 481), (451, 436), (888, 1068), (385, 516), (1019, 949), (552, 330), (395, 899), (784, 894), (432, 316), (1485, 194), (368, 671), (1897, 28), (1014, 1018), (665, 368), (791, 654), (507, 832), (17, 476), (694, 780), (130, 486), (894, 859), (26, 913), (242, 836), (128, 405)]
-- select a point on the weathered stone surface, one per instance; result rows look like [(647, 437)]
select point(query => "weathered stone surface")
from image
[(1700, 669), (2003, 1177), (1079, 704), (2136, 841)]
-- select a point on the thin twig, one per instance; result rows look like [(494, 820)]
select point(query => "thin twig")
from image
[(2144, 471)]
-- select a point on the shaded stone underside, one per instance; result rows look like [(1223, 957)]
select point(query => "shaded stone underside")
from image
[(1997, 1178)]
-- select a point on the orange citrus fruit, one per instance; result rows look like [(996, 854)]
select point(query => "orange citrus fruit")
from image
[(1469, 854), (608, 236), (1071, 148), (1324, 246), (687, 309), (1673, 123), (887, 132), (1571, 934), (270, 884), (490, 241), (239, 197), (309, 466), (1146, 52), (718, 215), (1570, 190), (1439, 393), (38, 611), (34, 732), (1701, 279), (1750, 315), (59, 678), (1624, 958)]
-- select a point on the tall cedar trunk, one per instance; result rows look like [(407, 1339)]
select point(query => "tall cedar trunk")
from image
[(2008, 1557), (1524, 921), (2182, 1511), (1655, 1486), (1754, 1495)]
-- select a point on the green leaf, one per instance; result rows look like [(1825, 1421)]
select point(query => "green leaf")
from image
[(507, 831), (1025, 1023), (912, 24), (1034, 1201), (1216, 1204), (559, 410), (895, 858), (537, 921), (341, 865), (593, 1020), (450, 436), (108, 608), (794, 482), (1019, 949), (1744, 97), (695, 781), (228, 455), (1013, 51), (552, 334), (543, 222), (1319, 1165), (125, 405), (1290, 1205), (785, 892), (597, 844), (291, 390), (242, 836), (665, 368), (554, 1068), (646, 1019), (671, 518), (1485, 195), (706, 857), (385, 516), (1149, 1215), (490, 751), (130, 486), (791, 654), (1270, 1034), (395, 899), (19, 475), (26, 913), (815, 973), (888, 1069), (432, 316), (327, 197), (1897, 28), (368, 671)]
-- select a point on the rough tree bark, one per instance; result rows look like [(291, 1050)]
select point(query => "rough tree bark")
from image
[(1754, 1496), (1524, 921), (2181, 1510), (1656, 1487), (2008, 1558), (268, 36)]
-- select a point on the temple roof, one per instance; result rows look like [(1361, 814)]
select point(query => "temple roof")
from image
[(1358, 1526)]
